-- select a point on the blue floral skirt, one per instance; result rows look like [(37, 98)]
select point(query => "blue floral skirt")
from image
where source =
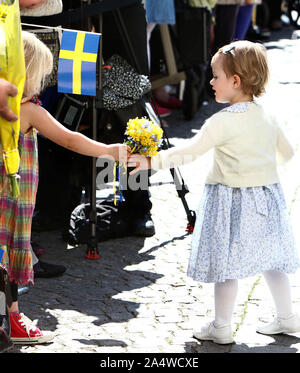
[(241, 232)]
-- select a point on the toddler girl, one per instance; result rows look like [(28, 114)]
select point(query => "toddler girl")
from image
[(242, 227), (16, 214)]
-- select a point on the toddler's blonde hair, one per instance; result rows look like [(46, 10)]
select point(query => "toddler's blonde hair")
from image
[(38, 63), (249, 61)]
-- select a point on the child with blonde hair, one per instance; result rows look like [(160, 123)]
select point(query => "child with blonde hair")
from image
[(16, 214), (242, 226)]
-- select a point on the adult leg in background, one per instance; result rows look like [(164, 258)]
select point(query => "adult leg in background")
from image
[(225, 18), (243, 21)]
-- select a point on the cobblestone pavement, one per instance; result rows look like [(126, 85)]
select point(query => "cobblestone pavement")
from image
[(137, 298)]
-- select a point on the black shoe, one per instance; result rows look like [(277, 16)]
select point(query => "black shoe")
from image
[(143, 227), (46, 270)]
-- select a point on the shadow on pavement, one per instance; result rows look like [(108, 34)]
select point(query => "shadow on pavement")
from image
[(282, 344), (89, 292), (102, 342), (88, 287)]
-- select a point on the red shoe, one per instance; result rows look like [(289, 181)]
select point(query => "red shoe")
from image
[(161, 111), (24, 331)]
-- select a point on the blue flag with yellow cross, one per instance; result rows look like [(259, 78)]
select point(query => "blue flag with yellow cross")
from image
[(77, 63)]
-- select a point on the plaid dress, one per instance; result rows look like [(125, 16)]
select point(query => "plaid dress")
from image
[(16, 214)]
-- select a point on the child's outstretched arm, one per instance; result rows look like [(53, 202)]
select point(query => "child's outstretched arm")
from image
[(37, 117), (192, 148)]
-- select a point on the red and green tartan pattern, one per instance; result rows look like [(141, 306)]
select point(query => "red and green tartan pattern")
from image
[(16, 214)]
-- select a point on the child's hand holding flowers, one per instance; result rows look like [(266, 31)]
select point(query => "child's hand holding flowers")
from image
[(144, 138), (140, 162)]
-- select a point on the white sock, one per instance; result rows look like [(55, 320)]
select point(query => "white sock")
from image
[(279, 285), (225, 296)]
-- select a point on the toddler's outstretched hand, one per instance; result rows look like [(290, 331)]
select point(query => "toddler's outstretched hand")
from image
[(119, 152), (138, 161)]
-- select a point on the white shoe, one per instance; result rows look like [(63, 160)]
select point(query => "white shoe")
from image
[(279, 325), (222, 335)]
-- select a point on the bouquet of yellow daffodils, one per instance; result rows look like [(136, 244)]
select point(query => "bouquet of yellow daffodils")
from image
[(143, 136)]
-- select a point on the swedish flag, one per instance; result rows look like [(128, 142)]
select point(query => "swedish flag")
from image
[(77, 63)]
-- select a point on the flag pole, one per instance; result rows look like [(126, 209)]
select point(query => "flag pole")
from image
[(92, 246), (56, 28)]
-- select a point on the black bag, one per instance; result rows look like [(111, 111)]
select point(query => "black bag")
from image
[(122, 85), (193, 91), (110, 223), (193, 39), (5, 300), (112, 124)]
